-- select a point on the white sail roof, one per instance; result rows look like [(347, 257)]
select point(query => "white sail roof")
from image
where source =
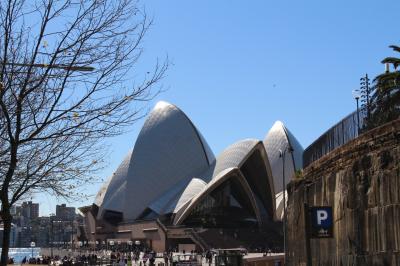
[(111, 195), (279, 204), (168, 149), (171, 166), (278, 139)]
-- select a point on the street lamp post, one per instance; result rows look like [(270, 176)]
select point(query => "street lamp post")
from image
[(33, 244), (130, 245), (137, 245), (282, 154), (52, 235), (54, 66), (357, 95), (80, 247), (72, 235)]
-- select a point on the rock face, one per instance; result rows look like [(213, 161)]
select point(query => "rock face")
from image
[(361, 181)]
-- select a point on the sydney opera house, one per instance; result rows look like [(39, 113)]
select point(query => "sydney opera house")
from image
[(171, 190)]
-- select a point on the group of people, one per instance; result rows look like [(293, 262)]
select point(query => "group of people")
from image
[(79, 260), (148, 257), (39, 260), (145, 257)]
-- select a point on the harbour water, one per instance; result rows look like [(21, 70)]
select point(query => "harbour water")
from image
[(18, 254)]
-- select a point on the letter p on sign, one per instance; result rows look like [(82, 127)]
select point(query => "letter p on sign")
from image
[(322, 215), (322, 221)]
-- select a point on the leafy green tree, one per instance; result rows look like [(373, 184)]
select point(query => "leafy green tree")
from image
[(385, 100)]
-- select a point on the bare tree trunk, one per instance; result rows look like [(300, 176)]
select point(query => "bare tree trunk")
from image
[(7, 218), (67, 83)]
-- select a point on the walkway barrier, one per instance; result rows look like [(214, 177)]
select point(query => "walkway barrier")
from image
[(341, 133)]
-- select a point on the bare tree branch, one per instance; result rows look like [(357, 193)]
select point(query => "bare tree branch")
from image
[(64, 75)]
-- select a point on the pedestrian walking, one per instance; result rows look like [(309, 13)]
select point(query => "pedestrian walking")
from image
[(165, 255)]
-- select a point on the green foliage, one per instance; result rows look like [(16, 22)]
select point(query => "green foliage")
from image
[(385, 105), (391, 60), (299, 174)]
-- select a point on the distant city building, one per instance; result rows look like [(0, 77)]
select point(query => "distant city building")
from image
[(24, 218), (24, 236), (55, 230), (41, 231), (13, 210), (61, 231), (29, 210), (65, 213), (13, 235)]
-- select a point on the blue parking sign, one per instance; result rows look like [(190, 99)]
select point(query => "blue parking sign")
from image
[(321, 222)]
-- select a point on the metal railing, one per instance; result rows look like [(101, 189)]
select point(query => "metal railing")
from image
[(385, 104), (341, 133)]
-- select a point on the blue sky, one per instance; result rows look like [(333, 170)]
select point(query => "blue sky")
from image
[(238, 66)]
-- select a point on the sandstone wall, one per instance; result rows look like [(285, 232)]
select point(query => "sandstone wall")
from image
[(361, 181)]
